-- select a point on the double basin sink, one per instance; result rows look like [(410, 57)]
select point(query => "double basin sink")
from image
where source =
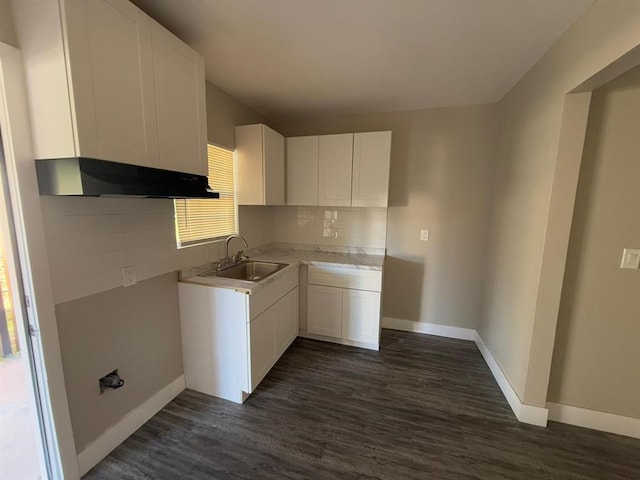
[(248, 270)]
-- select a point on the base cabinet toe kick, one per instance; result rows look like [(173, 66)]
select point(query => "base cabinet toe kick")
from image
[(231, 338)]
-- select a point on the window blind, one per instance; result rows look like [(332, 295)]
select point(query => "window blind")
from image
[(203, 220)]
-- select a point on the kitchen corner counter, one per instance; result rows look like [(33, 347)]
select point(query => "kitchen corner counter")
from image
[(293, 255), (354, 258)]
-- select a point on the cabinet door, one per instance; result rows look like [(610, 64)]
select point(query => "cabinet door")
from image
[(361, 316), (334, 169), (273, 152), (181, 104), (371, 158), (112, 81), (324, 311), (286, 328), (262, 345), (302, 170)]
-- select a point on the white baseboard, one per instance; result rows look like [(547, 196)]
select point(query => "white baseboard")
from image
[(606, 422), (118, 433), (524, 413), (429, 328)]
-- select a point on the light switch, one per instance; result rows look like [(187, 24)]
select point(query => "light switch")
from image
[(129, 276), (630, 258), (424, 235)]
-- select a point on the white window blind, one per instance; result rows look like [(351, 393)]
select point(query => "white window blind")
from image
[(204, 220)]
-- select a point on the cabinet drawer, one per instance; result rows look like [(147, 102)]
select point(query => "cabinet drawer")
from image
[(346, 277), (267, 296)]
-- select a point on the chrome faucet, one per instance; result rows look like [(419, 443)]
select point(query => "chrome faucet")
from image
[(237, 256)]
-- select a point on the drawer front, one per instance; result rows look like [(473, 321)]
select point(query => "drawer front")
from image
[(267, 296), (358, 279)]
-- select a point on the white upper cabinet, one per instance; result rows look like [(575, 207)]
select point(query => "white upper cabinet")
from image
[(104, 83), (302, 170), (339, 170), (371, 159), (180, 99), (334, 169), (260, 165), (112, 86)]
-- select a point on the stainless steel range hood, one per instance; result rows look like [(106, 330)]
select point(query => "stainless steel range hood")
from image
[(89, 177)]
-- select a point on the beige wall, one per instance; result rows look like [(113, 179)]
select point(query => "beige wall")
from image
[(596, 356), (103, 326), (7, 32), (440, 180), (223, 113), (528, 139), (89, 240), (135, 330)]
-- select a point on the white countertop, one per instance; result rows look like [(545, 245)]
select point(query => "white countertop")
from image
[(355, 258)]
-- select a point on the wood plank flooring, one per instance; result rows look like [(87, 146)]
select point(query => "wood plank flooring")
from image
[(422, 408)]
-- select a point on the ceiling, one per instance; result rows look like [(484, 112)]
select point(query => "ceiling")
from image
[(295, 58)]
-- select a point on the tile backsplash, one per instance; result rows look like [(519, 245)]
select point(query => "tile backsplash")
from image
[(336, 226)]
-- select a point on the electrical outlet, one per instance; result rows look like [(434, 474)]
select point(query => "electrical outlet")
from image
[(129, 276), (424, 235), (630, 259)]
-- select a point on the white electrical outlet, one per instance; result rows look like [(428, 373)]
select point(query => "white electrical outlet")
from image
[(424, 235), (129, 276), (630, 259)]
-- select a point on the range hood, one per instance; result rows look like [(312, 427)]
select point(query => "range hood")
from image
[(89, 177)]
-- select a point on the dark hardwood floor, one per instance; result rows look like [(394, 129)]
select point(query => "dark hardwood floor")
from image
[(422, 408)]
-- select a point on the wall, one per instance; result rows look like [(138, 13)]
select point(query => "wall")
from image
[(89, 240), (596, 357), (103, 326), (134, 330), (439, 179), (7, 32), (528, 139)]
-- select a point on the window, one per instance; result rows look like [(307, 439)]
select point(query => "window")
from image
[(204, 220)]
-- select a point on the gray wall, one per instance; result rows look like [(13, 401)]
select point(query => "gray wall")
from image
[(440, 180), (7, 32), (103, 326), (516, 333), (135, 330), (596, 355)]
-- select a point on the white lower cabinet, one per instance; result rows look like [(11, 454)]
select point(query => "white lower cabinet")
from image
[(343, 305), (324, 316), (230, 340), (361, 316), (270, 334)]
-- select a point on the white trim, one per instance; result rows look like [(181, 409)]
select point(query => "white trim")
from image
[(118, 433), (606, 422), (429, 328), (524, 413), (34, 263)]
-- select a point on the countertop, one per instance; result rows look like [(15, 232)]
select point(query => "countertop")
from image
[(294, 255)]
